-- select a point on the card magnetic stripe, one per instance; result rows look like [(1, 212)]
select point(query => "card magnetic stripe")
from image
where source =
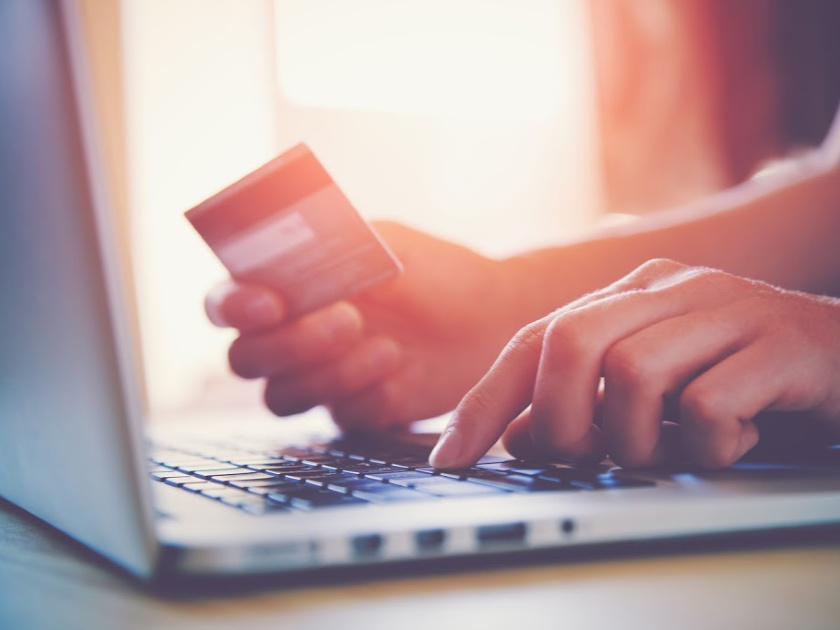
[(276, 185)]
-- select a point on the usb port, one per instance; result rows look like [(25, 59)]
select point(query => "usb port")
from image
[(429, 539), (367, 545), (503, 533)]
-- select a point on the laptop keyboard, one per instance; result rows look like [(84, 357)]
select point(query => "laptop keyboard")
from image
[(263, 480)]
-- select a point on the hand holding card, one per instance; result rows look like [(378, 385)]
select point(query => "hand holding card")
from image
[(288, 226)]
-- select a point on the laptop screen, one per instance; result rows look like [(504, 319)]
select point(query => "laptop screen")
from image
[(66, 450)]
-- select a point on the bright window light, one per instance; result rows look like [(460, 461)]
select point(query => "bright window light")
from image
[(476, 58)]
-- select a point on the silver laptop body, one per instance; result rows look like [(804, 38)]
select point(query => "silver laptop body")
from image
[(72, 445)]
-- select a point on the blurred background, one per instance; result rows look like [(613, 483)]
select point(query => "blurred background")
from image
[(501, 124)]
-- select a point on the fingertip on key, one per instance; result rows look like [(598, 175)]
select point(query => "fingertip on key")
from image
[(447, 452)]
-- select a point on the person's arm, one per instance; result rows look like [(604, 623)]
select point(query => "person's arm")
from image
[(782, 229), (413, 348), (675, 360)]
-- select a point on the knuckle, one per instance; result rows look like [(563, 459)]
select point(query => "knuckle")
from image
[(660, 266), (525, 339), (566, 336), (653, 272), (626, 364), (707, 276), (702, 406)]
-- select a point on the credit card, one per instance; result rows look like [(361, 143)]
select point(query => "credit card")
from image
[(288, 226)]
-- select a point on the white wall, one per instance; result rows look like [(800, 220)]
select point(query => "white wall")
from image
[(200, 113)]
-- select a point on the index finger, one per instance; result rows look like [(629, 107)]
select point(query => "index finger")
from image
[(246, 307), (484, 413), (506, 390)]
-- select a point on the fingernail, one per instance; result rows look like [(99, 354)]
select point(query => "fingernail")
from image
[(342, 319), (263, 310), (448, 449)]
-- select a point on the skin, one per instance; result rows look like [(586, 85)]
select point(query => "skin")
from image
[(413, 349), (402, 352), (689, 357)]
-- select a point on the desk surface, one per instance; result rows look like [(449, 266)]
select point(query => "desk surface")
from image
[(47, 581)]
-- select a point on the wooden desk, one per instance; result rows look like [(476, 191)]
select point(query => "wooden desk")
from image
[(47, 581)]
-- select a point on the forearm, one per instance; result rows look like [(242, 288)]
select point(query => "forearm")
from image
[(783, 231)]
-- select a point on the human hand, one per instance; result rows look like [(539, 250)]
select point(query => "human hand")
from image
[(688, 356), (404, 351)]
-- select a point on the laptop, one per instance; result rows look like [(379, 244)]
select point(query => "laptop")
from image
[(252, 498)]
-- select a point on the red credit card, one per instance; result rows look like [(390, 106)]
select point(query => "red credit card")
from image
[(288, 226)]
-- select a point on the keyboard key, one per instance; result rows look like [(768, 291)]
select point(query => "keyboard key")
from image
[(523, 483), (609, 482), (454, 474), (206, 465), (323, 460), (286, 469), (338, 464), (492, 459), (153, 468), (326, 500), (167, 474), (409, 463), (303, 475), (517, 466), (332, 478), (222, 491), (292, 453), (420, 480), (594, 479), (389, 494), (458, 489), (489, 475), (247, 459), (359, 483), (178, 481), (185, 462), (403, 475), (307, 497), (366, 468), (261, 506), (220, 472), (265, 489), (564, 473), (245, 480), (259, 463), (197, 485)]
